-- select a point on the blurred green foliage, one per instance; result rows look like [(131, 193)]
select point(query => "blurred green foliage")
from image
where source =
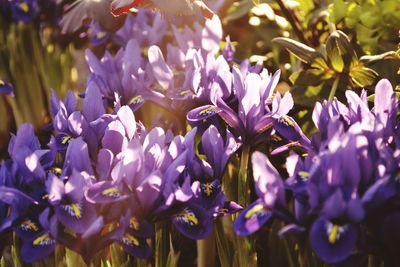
[(322, 47), (33, 63)]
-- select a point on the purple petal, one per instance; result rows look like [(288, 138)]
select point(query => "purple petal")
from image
[(252, 218), (193, 222), (93, 106), (202, 113), (104, 192), (331, 242), (40, 246), (269, 184), (161, 71)]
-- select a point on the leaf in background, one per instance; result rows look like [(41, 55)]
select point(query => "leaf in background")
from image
[(256, 2), (338, 44), (335, 59), (383, 56), (311, 77), (337, 10), (301, 51), (320, 63), (363, 76), (238, 11)]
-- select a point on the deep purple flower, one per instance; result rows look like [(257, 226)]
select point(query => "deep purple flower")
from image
[(42, 243), (331, 241), (6, 88), (269, 189), (24, 10), (71, 208), (348, 180), (97, 35)]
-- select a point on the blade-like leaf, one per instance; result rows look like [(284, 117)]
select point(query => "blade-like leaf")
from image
[(363, 76), (301, 51)]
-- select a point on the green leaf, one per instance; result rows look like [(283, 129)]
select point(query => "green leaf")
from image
[(73, 259), (383, 56), (338, 10), (256, 2), (301, 51), (238, 11), (338, 45), (336, 60), (310, 77), (363, 76), (320, 63)]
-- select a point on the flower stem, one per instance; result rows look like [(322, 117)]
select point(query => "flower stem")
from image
[(334, 88), (162, 244), (224, 252), (243, 183), (206, 252)]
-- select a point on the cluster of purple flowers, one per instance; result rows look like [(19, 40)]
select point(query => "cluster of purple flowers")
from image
[(104, 178), (345, 193), (27, 10)]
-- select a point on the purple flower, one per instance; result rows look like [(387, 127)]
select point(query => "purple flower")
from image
[(217, 149), (24, 10), (270, 192), (331, 241), (342, 186), (6, 88), (42, 243), (256, 113), (67, 198), (97, 35)]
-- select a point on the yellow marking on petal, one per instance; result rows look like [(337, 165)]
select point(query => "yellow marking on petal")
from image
[(208, 189), (57, 170), (77, 210), (136, 99), (288, 121), (100, 35), (254, 210), (24, 7), (29, 225), (74, 210), (134, 224), (333, 234), (208, 111), (185, 92), (43, 240), (129, 240), (303, 174), (189, 217), (44, 197), (65, 140), (111, 192)]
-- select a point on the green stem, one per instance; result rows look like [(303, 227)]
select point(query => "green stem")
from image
[(334, 88), (243, 183), (288, 251), (224, 252), (206, 252), (162, 244)]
